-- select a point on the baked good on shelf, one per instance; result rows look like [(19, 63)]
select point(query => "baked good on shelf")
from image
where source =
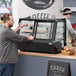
[(68, 50)]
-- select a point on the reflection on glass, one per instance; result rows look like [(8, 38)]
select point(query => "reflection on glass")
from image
[(60, 32), (43, 30), (27, 30)]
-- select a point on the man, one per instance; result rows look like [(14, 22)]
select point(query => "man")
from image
[(70, 34), (8, 46)]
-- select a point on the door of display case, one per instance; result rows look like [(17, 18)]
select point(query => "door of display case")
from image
[(27, 30), (61, 31), (45, 30)]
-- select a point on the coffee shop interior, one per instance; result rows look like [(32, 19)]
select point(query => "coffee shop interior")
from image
[(49, 53)]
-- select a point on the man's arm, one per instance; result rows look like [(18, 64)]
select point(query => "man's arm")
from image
[(13, 36), (19, 27)]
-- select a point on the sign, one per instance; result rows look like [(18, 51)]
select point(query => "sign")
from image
[(39, 4), (37, 9), (57, 68), (42, 9)]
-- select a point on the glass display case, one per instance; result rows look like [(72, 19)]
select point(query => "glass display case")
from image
[(48, 35)]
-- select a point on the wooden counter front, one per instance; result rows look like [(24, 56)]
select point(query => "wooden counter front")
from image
[(47, 55)]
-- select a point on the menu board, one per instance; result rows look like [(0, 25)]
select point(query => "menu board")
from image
[(58, 68)]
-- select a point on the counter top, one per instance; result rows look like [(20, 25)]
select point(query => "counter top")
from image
[(47, 55)]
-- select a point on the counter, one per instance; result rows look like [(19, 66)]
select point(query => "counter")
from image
[(36, 64), (48, 55)]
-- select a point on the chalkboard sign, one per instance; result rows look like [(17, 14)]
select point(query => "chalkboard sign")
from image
[(57, 68)]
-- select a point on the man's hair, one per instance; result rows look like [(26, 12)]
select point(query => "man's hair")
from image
[(67, 11), (6, 17)]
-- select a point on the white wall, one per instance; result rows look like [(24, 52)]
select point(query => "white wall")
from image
[(20, 10)]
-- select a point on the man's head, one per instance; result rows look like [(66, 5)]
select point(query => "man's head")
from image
[(7, 19), (67, 12)]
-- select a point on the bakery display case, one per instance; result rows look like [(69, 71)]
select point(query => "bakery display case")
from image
[(49, 35)]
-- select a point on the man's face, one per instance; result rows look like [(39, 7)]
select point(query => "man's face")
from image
[(69, 16), (10, 21)]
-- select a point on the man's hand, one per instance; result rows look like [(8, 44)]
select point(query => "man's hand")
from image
[(20, 26), (30, 37)]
